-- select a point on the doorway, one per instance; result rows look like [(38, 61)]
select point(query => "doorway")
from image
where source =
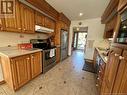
[(79, 40)]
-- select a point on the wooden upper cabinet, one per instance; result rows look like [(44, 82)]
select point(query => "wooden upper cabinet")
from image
[(45, 7), (39, 19), (20, 67), (122, 4), (109, 28), (64, 26), (14, 24), (111, 70), (49, 23), (110, 11), (36, 64), (120, 86), (64, 19), (27, 19)]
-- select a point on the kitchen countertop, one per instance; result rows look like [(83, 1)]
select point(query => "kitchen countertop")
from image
[(14, 51), (100, 52)]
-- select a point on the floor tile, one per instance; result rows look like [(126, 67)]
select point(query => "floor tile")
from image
[(66, 78)]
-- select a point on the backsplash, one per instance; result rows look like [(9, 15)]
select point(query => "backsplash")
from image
[(102, 44), (12, 39)]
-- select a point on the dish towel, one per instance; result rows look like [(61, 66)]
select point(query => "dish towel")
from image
[(52, 52)]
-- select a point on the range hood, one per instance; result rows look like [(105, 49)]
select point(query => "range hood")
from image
[(43, 29)]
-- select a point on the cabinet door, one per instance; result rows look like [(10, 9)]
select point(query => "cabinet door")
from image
[(49, 23), (14, 24), (0, 23), (39, 19), (120, 86), (62, 25), (36, 64), (111, 71), (66, 27), (20, 70), (27, 19), (58, 55)]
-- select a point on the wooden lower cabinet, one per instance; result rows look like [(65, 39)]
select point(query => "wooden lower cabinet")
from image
[(36, 64), (111, 71), (58, 55), (120, 85), (20, 70)]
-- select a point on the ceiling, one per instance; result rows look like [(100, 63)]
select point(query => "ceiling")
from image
[(72, 8)]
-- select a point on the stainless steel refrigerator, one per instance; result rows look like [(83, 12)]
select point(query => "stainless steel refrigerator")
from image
[(64, 44)]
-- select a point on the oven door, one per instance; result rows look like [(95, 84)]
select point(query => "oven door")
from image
[(47, 60)]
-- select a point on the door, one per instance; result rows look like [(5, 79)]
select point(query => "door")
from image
[(64, 44), (57, 55), (111, 71), (75, 40), (79, 40), (20, 67), (36, 64), (13, 24), (120, 86), (27, 19)]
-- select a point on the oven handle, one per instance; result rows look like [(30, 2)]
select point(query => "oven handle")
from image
[(48, 49)]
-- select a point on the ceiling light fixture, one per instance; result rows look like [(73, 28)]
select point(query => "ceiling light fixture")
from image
[(80, 14)]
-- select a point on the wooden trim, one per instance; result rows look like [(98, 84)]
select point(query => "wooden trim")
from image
[(44, 7), (123, 10), (122, 46), (116, 30), (112, 6)]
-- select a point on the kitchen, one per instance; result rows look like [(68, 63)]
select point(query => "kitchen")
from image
[(36, 47)]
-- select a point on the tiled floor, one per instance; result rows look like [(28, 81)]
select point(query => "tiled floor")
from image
[(66, 78)]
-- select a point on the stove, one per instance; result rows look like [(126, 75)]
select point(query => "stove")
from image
[(48, 53)]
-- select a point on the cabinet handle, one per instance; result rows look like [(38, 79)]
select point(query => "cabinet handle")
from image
[(28, 58), (1, 28), (99, 71), (19, 28), (97, 85), (116, 55), (32, 57), (121, 58), (98, 78)]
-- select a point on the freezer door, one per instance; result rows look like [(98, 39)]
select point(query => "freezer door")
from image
[(64, 39), (64, 44)]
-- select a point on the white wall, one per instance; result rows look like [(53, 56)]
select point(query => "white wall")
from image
[(95, 33), (9, 38)]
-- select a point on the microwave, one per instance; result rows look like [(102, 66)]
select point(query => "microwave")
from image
[(122, 35)]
